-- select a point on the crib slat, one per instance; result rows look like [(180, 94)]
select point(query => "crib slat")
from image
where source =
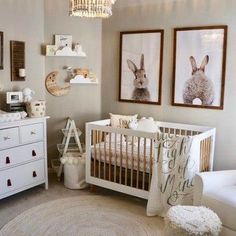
[(127, 157), (100, 153), (138, 166), (150, 167), (110, 156), (105, 156), (132, 161), (144, 163), (115, 157), (121, 158), (95, 152)]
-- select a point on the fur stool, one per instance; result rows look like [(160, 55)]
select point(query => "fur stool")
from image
[(190, 220)]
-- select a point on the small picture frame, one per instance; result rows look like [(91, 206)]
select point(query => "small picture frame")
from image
[(1, 50), (199, 67), (14, 97), (63, 40)]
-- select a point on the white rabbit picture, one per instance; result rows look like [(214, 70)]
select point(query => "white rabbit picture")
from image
[(141, 66), (199, 66)]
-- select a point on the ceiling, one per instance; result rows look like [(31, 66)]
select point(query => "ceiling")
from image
[(126, 3)]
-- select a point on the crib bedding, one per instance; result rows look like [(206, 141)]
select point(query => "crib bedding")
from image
[(131, 157)]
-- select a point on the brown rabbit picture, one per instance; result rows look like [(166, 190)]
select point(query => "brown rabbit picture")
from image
[(140, 92), (141, 57)]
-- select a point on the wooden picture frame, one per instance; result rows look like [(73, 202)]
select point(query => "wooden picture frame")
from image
[(1, 50), (199, 67), (141, 60), (17, 51)]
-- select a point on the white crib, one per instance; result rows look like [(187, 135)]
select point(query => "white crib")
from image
[(122, 159)]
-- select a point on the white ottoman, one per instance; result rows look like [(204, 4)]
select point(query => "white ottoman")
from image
[(191, 220)]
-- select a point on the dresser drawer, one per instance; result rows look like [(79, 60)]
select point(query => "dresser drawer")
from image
[(9, 138), (22, 176), (18, 155), (31, 133)]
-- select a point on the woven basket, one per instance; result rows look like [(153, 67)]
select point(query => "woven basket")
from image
[(36, 108)]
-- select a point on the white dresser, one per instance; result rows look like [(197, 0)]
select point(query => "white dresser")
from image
[(23, 155)]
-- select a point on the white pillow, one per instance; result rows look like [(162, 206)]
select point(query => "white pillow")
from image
[(122, 121), (146, 125)]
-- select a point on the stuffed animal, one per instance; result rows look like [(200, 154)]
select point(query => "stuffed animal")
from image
[(27, 93)]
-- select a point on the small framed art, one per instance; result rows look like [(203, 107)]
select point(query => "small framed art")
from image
[(63, 40), (199, 67), (141, 55)]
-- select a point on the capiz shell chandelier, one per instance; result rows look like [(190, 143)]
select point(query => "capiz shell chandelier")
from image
[(91, 8)]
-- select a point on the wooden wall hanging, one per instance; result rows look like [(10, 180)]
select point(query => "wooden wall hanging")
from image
[(1, 50), (17, 59), (53, 88)]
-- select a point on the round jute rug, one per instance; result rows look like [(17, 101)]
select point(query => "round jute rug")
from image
[(85, 216)]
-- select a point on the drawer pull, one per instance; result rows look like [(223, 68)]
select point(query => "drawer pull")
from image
[(8, 160), (9, 183), (34, 153), (32, 133), (34, 174), (6, 138)]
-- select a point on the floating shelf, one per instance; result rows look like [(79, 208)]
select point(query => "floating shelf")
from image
[(78, 79), (66, 56), (52, 51)]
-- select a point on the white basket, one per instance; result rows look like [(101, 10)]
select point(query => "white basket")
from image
[(74, 174), (36, 108)]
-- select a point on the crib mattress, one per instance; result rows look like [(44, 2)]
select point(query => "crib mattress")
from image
[(124, 156)]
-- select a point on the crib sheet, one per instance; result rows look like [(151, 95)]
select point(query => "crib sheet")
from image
[(133, 158)]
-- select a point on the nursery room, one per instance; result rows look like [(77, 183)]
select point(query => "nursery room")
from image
[(116, 117)]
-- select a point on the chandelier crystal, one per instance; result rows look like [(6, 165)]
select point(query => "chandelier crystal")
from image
[(91, 8)]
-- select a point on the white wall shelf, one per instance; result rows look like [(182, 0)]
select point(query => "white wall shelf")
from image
[(79, 79)]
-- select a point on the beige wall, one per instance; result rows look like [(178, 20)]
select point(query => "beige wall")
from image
[(83, 103), (23, 21), (167, 16)]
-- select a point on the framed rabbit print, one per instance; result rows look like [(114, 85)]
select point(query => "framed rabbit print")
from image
[(141, 54), (199, 67)]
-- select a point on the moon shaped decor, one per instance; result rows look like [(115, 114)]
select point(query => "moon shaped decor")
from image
[(53, 88)]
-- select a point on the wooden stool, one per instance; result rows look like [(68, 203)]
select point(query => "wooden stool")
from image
[(191, 220)]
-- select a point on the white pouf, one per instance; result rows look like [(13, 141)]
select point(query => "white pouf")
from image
[(191, 220), (74, 170)]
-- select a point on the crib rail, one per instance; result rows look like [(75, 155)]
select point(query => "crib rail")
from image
[(122, 159)]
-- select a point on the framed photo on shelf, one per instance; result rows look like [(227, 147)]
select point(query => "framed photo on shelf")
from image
[(62, 41), (199, 67), (141, 56), (1, 51)]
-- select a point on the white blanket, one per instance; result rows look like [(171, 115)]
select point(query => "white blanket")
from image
[(175, 167), (11, 116)]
